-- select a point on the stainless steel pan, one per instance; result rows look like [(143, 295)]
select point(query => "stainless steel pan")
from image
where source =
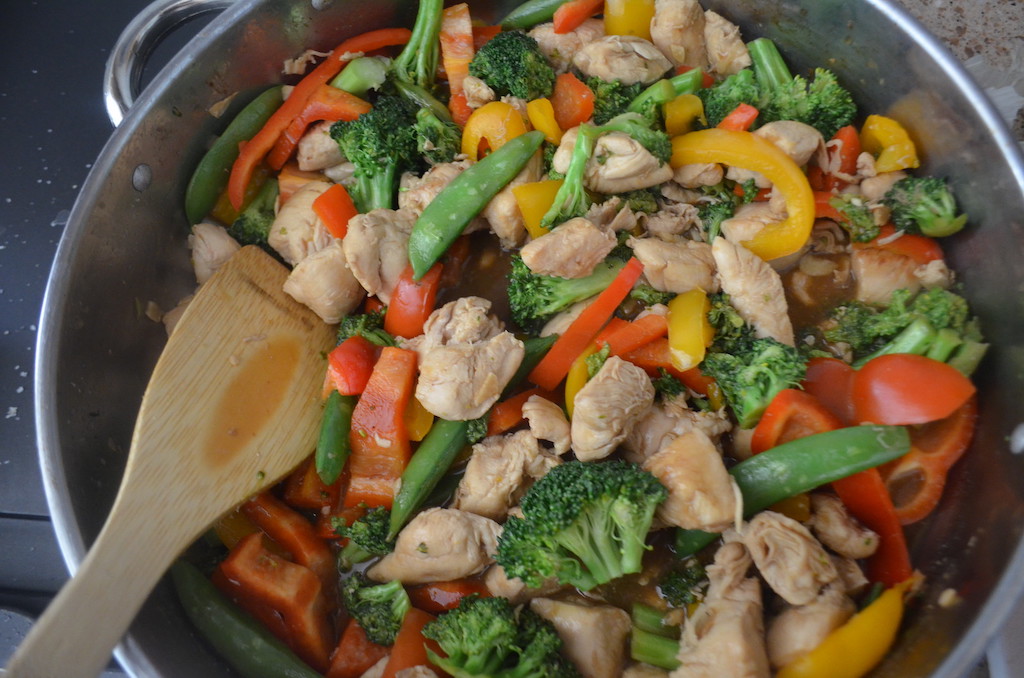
[(125, 246)]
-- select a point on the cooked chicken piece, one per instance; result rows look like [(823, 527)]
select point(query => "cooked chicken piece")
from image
[(874, 188), (880, 272), (619, 163), (211, 247), (799, 141), (560, 48), (317, 150), (607, 407), (420, 671), (755, 289), (571, 250), (342, 173), (672, 221), (726, 635), (547, 422), (644, 671), (833, 525), (727, 53), (417, 192), (740, 443), (297, 231), (678, 30), (676, 267), (851, 578), (748, 221), (701, 493), (438, 545), (461, 381), (502, 212), (626, 58), (377, 670), (788, 557), (612, 214), (667, 420), (323, 282), (499, 472), (935, 273), (593, 636), (800, 629), (699, 174), (517, 103), (467, 320), (477, 92), (499, 584), (561, 321), (376, 248)]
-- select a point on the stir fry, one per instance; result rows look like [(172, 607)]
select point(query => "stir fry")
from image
[(647, 351)]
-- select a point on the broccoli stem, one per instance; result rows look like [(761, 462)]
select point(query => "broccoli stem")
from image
[(914, 338), (572, 197), (361, 75), (417, 63), (653, 649), (377, 191), (968, 356), (352, 554), (769, 67), (945, 342), (423, 99), (667, 89), (653, 620)]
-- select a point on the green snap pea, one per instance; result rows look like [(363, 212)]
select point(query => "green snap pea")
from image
[(428, 465), (242, 641), (332, 448), (450, 212), (211, 174), (531, 13), (802, 465)]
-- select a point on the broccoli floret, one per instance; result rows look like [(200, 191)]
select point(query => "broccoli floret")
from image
[(667, 385), (369, 326), (732, 333), (611, 98), (438, 141), (595, 361), (821, 103), (638, 127), (417, 64), (648, 296), (381, 144), (489, 637), (511, 63), (684, 585), (751, 375), (534, 298), (379, 608), (858, 222), (711, 216), (584, 523), (367, 537), (252, 226), (924, 205), (476, 429), (641, 200), (720, 100)]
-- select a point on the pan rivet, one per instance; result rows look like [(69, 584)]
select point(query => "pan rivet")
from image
[(142, 177)]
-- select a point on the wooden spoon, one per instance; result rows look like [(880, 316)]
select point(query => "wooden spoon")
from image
[(233, 405)]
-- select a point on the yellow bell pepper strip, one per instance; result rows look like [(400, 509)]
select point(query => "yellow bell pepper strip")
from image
[(682, 112), (889, 142), (858, 645), (689, 332), (577, 377), (418, 420), (628, 17), (535, 199), (542, 116), (743, 149), (496, 123)]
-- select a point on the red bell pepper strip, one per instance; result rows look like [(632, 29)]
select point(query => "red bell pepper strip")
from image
[(412, 302), (294, 533), (303, 488), (740, 119), (571, 15), (325, 527), (656, 356), (328, 104), (553, 367), (410, 648), (904, 388), (507, 414), (572, 101), (916, 480), (791, 414), (441, 596), (335, 207), (285, 597), (379, 439), (632, 335), (355, 653), (843, 154), (254, 150), (350, 364), (920, 248), (457, 51), (829, 380), (483, 34)]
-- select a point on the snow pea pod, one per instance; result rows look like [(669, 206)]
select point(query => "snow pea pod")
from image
[(450, 212), (211, 174), (531, 13), (245, 643), (802, 465), (332, 447)]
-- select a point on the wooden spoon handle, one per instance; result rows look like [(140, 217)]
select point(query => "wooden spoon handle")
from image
[(77, 632)]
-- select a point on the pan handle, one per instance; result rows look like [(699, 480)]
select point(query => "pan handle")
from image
[(136, 43)]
